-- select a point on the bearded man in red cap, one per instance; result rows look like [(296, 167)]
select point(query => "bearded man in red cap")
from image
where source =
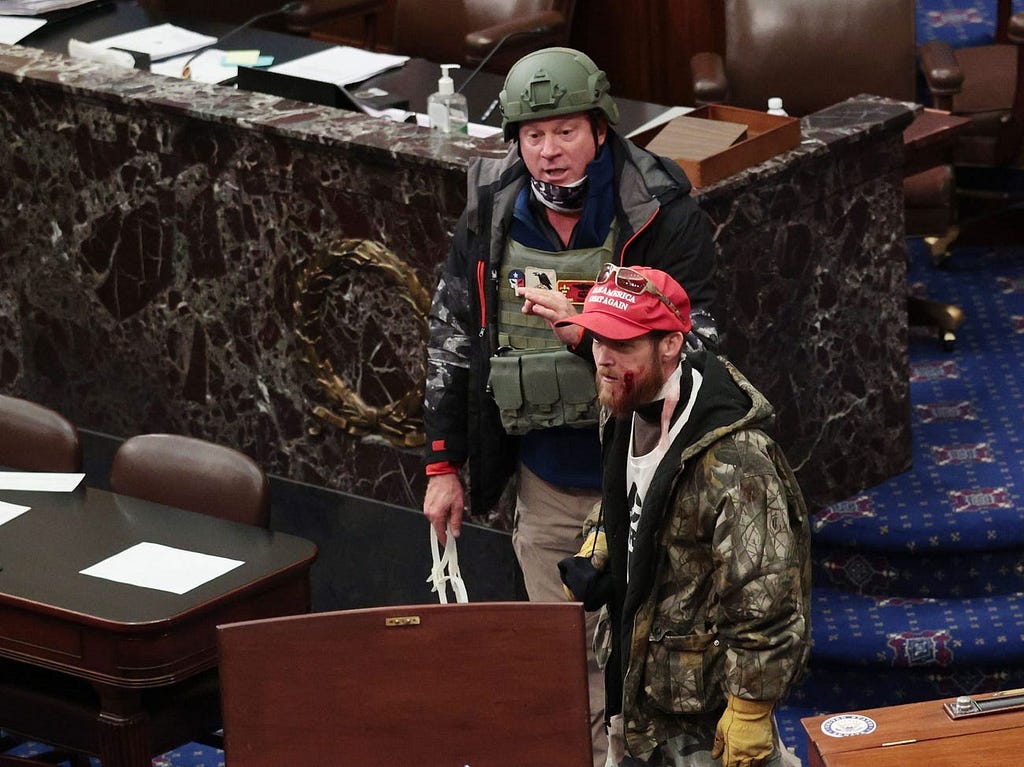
[(700, 548)]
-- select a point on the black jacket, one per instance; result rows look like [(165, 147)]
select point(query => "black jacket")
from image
[(659, 225)]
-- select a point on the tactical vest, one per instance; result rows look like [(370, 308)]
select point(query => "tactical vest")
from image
[(537, 382)]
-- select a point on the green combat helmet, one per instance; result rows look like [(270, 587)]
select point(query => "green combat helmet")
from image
[(552, 82)]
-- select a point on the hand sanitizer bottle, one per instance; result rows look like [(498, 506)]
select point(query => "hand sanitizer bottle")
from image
[(775, 107), (447, 109)]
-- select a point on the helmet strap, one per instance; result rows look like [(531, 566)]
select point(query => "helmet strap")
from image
[(563, 199)]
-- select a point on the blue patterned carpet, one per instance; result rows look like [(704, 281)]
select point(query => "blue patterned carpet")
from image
[(919, 582)]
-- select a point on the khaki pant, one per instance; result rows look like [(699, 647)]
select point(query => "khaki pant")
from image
[(548, 526)]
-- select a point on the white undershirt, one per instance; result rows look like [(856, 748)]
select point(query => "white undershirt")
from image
[(640, 469)]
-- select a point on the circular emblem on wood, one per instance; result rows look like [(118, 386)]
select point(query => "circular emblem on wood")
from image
[(845, 725)]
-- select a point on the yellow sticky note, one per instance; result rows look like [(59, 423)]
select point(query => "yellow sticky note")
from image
[(241, 58)]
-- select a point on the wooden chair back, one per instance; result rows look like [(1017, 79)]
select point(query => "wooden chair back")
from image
[(499, 684)]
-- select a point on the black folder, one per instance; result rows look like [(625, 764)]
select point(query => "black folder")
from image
[(313, 91)]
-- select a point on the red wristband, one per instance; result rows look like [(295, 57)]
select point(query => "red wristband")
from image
[(441, 467)]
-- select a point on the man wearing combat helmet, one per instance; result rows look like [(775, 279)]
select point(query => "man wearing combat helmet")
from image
[(508, 393)]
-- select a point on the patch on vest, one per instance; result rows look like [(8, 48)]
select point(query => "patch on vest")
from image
[(541, 278), (575, 290)]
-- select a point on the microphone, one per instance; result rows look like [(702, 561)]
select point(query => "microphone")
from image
[(537, 30), (186, 70)]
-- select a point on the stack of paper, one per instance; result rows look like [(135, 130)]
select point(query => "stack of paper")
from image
[(340, 65), (159, 42)]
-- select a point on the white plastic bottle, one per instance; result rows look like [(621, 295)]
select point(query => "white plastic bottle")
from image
[(447, 109), (775, 107)]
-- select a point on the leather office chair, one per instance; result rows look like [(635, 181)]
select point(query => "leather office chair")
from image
[(36, 438), (448, 31), (515, 695), (984, 83), (814, 54), (192, 474)]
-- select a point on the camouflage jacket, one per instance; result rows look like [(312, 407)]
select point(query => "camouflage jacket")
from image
[(717, 597)]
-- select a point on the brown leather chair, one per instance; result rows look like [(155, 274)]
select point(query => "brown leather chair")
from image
[(809, 53), (192, 474), (35, 438), (447, 31), (813, 54), (984, 83)]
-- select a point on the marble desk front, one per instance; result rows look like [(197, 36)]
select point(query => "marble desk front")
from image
[(190, 258)]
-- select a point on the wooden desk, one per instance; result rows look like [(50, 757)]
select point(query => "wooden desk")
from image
[(928, 140), (125, 640), (915, 734)]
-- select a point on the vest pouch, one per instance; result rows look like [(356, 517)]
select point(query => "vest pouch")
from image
[(541, 388), (505, 383), (578, 389)]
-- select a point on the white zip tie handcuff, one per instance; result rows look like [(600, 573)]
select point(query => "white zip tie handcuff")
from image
[(446, 569)]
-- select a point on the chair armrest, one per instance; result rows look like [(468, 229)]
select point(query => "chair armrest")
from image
[(1016, 28), (941, 72), (480, 42), (313, 13), (710, 85)]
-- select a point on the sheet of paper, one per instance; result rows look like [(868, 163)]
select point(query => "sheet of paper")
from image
[(35, 7), (155, 566), (477, 130), (16, 28), (41, 481), (9, 511), (669, 114), (341, 65), (160, 42), (207, 67)]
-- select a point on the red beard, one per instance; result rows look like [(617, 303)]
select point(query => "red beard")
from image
[(633, 388)]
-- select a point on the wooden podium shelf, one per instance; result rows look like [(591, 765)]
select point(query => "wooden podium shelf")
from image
[(915, 734), (763, 136)]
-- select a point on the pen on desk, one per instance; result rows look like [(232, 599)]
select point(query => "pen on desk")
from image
[(900, 742), (490, 110)]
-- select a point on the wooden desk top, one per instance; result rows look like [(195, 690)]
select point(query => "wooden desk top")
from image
[(933, 126), (912, 734), (52, 615)]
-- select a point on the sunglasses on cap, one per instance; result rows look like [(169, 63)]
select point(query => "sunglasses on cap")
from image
[(633, 282)]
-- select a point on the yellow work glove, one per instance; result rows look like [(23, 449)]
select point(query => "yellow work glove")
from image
[(744, 736), (595, 546), (594, 551)]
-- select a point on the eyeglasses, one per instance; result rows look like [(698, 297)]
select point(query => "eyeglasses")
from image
[(632, 281)]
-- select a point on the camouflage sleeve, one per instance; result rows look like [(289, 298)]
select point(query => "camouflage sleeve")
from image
[(447, 378), (762, 618)]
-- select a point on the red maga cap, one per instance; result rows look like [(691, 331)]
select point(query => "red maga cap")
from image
[(629, 301)]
